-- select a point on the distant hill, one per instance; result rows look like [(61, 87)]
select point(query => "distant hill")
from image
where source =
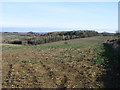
[(33, 38)]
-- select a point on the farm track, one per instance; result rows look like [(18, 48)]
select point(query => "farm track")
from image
[(69, 74), (50, 73), (8, 78), (53, 75), (31, 72)]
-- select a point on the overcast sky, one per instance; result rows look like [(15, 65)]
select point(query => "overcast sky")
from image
[(100, 16)]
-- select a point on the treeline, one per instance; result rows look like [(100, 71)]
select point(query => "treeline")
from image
[(53, 36)]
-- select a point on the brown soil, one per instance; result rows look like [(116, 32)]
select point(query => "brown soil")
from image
[(48, 68)]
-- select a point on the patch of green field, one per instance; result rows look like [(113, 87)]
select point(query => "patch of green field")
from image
[(78, 43), (9, 37), (75, 43)]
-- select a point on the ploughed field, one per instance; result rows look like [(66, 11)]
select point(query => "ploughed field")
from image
[(76, 63)]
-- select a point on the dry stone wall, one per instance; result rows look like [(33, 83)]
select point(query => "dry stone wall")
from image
[(114, 44)]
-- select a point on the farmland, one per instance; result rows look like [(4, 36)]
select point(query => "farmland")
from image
[(75, 63)]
